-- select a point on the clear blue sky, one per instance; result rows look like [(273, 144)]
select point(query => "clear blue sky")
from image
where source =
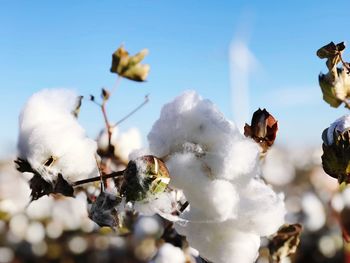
[(46, 44)]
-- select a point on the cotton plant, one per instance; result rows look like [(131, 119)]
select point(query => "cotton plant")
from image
[(201, 176), (336, 138)]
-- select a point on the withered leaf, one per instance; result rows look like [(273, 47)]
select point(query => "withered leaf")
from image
[(332, 53), (129, 66), (39, 187), (285, 242), (103, 210)]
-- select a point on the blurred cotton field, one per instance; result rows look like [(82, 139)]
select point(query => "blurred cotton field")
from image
[(57, 229)]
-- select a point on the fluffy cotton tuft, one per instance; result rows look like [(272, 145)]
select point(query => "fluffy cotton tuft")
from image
[(48, 129), (216, 168)]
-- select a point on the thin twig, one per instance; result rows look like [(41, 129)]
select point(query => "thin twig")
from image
[(146, 100)]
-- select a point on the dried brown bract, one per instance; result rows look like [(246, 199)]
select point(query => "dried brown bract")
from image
[(263, 129)]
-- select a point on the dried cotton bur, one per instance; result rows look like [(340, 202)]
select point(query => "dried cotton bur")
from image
[(285, 242), (335, 85)]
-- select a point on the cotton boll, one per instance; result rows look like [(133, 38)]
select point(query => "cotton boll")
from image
[(47, 105), (215, 140), (260, 210), (48, 130), (168, 253), (314, 212), (340, 125), (193, 120)]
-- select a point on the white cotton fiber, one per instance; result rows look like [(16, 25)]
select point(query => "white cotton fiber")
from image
[(216, 198), (49, 129), (161, 203), (222, 243), (261, 210)]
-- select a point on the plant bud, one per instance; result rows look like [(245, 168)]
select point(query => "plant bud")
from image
[(336, 150), (144, 176), (129, 66), (263, 128)]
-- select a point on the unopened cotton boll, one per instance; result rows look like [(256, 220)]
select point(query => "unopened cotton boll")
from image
[(168, 253), (51, 139)]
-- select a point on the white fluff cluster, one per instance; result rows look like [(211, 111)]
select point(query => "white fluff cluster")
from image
[(48, 129), (340, 125), (217, 169)]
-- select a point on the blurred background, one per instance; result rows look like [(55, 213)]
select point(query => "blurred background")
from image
[(241, 55)]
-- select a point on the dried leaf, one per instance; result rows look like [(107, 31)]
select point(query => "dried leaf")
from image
[(332, 52), (129, 66), (285, 242), (39, 186), (103, 210)]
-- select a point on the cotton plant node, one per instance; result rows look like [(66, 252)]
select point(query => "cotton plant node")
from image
[(335, 84), (263, 129)]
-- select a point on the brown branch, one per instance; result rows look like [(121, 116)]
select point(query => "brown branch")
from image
[(98, 178)]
